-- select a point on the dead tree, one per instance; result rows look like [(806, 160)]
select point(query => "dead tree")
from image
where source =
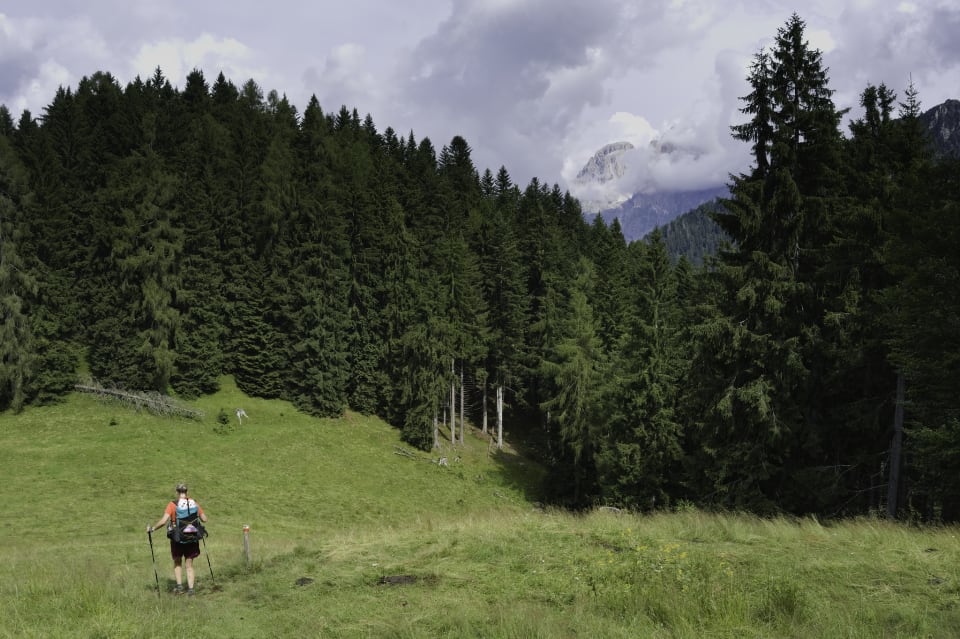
[(151, 401)]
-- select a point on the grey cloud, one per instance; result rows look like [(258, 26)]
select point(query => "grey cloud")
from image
[(514, 79), (943, 32), (529, 83), (893, 46), (509, 53), (16, 71), (520, 79)]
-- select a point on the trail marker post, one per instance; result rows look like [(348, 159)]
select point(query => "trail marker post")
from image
[(246, 542)]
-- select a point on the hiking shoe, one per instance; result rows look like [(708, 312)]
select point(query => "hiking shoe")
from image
[(190, 592), (178, 589)]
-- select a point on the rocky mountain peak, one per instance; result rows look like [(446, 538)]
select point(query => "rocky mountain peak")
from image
[(606, 164), (943, 122), (596, 183)]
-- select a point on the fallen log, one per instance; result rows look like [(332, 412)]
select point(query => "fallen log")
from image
[(153, 402)]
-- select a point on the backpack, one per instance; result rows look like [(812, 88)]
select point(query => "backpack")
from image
[(188, 529)]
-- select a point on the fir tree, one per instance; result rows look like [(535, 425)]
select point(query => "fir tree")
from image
[(763, 412), (574, 366), (202, 162), (642, 446), (145, 257), (18, 356)]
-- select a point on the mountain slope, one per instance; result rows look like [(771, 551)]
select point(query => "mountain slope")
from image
[(646, 211), (694, 234), (943, 122)]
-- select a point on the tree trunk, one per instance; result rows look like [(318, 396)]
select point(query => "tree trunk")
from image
[(436, 430), (893, 488), (483, 408), (453, 405), (462, 422), (500, 417)]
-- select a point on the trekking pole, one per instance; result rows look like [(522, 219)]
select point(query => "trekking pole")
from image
[(154, 557), (205, 552)]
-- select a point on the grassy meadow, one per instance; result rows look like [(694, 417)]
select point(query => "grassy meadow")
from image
[(351, 538)]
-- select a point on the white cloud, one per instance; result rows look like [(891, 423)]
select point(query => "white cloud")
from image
[(177, 58), (50, 76), (821, 39), (534, 85), (635, 128), (344, 77), (36, 58)]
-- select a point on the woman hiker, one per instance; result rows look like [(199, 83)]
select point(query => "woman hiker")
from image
[(182, 512)]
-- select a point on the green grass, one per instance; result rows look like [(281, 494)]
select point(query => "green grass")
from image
[(337, 516)]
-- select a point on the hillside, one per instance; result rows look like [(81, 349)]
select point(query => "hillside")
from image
[(354, 534), (694, 234), (160, 238), (643, 212)]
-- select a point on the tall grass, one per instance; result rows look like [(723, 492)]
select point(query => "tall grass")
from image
[(350, 539)]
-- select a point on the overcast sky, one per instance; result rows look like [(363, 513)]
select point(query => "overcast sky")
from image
[(536, 86)]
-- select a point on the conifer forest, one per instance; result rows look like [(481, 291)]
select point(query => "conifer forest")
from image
[(158, 238)]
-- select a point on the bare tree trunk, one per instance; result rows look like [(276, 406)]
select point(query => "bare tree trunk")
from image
[(462, 421), (893, 488), (436, 430), (484, 407), (500, 417), (453, 405)]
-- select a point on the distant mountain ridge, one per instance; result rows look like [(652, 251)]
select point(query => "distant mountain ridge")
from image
[(644, 212), (640, 213)]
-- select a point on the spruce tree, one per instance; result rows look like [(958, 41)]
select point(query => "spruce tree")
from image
[(643, 437), (18, 356), (144, 275), (202, 161), (318, 283), (457, 251), (608, 250), (574, 367), (921, 312), (497, 246), (762, 398)]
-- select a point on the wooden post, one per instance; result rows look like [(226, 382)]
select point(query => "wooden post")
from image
[(246, 542)]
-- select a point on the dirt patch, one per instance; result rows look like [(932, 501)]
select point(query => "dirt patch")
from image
[(405, 580)]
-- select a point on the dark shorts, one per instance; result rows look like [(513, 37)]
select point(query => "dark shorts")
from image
[(190, 551)]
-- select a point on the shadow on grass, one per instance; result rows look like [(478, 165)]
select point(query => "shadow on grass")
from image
[(520, 473)]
